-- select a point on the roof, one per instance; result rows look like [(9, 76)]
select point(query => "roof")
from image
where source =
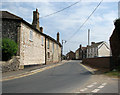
[(83, 48), (96, 44), (8, 15), (70, 52)]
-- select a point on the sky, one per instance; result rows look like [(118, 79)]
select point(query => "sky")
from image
[(67, 22)]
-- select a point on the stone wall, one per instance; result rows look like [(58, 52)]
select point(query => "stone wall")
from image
[(9, 29), (100, 62), (53, 52), (32, 51), (11, 65)]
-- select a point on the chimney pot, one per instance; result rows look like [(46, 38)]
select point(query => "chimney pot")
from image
[(41, 29)]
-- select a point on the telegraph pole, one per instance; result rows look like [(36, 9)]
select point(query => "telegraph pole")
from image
[(88, 37), (63, 41)]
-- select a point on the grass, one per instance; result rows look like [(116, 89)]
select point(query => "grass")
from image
[(114, 73)]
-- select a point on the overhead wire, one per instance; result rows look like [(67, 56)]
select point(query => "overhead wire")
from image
[(86, 20), (61, 9)]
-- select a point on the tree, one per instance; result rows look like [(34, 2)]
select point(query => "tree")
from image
[(9, 48)]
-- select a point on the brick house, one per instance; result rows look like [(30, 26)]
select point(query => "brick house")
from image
[(35, 47), (100, 49), (70, 55), (80, 53)]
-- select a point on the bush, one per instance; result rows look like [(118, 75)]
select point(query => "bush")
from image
[(9, 48)]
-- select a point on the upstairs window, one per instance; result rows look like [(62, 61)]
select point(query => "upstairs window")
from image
[(57, 46), (53, 47), (42, 40), (48, 44), (31, 35)]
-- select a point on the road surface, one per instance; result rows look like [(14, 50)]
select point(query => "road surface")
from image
[(70, 77)]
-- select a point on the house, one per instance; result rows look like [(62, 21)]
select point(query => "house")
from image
[(100, 49), (115, 44), (80, 53), (70, 55), (35, 47)]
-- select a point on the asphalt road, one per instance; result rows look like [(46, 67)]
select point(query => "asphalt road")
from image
[(70, 77), (62, 79)]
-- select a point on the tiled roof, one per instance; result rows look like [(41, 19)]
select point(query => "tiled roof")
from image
[(83, 48), (8, 15), (96, 44)]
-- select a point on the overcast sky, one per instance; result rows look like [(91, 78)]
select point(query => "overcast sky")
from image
[(68, 21)]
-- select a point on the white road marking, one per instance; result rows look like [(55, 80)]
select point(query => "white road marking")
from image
[(83, 89), (89, 86), (104, 83), (95, 90), (101, 86)]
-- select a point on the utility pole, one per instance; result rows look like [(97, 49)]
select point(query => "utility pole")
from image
[(63, 41), (88, 37)]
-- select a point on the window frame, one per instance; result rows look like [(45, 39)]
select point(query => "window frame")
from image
[(31, 35)]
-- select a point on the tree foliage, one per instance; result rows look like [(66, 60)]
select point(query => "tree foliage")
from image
[(9, 48)]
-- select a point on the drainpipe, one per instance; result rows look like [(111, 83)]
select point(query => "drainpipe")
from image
[(45, 51)]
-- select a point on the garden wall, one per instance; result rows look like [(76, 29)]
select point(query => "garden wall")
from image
[(11, 65), (100, 62)]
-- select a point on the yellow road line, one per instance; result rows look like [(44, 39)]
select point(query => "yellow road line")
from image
[(30, 73), (87, 68)]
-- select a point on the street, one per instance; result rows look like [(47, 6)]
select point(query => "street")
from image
[(70, 77)]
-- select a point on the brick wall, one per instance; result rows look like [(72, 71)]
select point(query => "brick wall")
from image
[(101, 62)]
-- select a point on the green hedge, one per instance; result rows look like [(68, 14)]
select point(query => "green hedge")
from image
[(9, 48)]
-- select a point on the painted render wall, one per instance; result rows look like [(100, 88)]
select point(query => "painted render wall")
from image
[(31, 52), (103, 51)]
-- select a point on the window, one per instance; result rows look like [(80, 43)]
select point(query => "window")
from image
[(48, 55), (57, 46), (53, 47), (42, 40), (31, 35), (48, 44)]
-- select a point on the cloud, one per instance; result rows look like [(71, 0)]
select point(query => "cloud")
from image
[(68, 21)]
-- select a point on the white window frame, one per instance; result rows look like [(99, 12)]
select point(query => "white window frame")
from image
[(42, 40), (31, 35)]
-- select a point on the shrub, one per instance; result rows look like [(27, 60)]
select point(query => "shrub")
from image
[(9, 48)]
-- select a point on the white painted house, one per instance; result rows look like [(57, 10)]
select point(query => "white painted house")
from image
[(100, 49)]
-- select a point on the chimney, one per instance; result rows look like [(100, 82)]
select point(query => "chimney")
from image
[(58, 37), (92, 43), (41, 29), (80, 46), (35, 22)]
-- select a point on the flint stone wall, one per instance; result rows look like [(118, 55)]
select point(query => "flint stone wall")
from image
[(11, 65)]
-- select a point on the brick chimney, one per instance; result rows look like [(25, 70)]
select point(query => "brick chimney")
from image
[(35, 22), (41, 29), (80, 46), (92, 43), (58, 37)]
